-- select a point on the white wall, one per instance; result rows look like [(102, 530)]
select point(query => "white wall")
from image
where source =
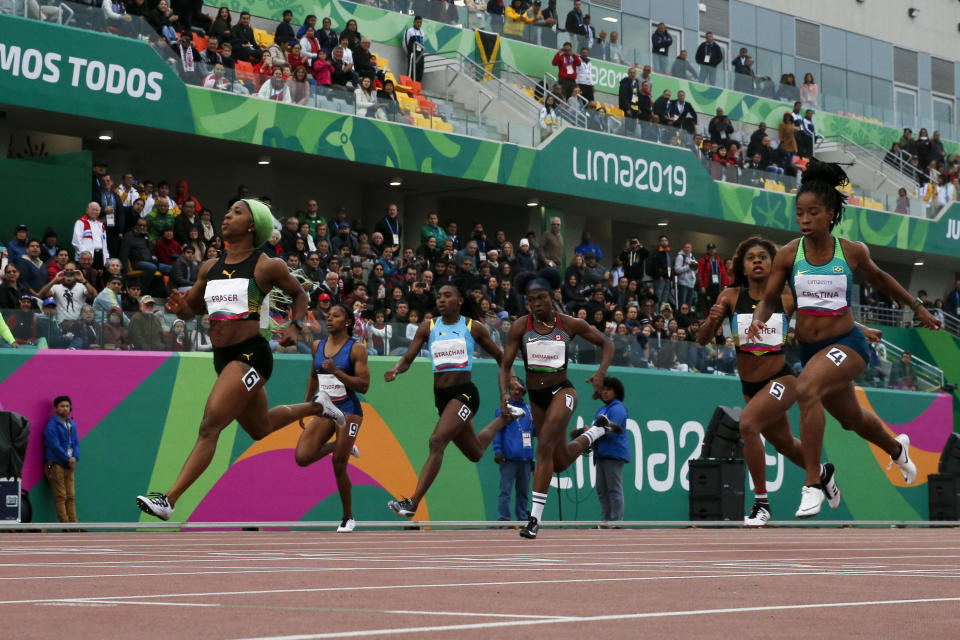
[(933, 31)]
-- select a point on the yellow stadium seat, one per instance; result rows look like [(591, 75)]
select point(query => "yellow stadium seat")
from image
[(421, 121), (440, 125)]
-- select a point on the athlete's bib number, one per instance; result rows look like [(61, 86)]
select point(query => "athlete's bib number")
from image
[(776, 390), (449, 354), (837, 356), (546, 354), (251, 379), (354, 429), (330, 384)]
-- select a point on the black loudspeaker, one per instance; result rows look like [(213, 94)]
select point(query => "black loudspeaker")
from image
[(717, 489), (943, 494), (722, 439), (950, 457)]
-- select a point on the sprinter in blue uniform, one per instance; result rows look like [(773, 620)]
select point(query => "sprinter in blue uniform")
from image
[(450, 339), (819, 268), (340, 371)]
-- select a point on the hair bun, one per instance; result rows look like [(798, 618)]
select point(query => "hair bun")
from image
[(552, 276), (828, 172)]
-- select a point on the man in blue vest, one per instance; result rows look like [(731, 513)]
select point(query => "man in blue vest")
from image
[(513, 451)]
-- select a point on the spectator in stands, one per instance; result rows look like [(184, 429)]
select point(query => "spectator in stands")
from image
[(353, 36), (89, 234), (145, 331), (159, 220), (167, 250), (137, 253), (111, 216), (660, 269), (549, 119), (387, 99), (720, 127), (342, 70), (744, 75), (951, 300), (661, 41), (70, 290), (276, 89), (661, 107), (187, 58), (551, 244), (323, 69), (391, 227), (222, 28), (902, 374), (110, 297), (809, 91), (299, 86), (284, 33), (309, 21), (566, 62), (681, 67), (685, 266), (165, 21), (575, 23), (681, 114), (711, 276), (17, 247), (365, 98), (808, 135), (517, 16), (33, 272), (217, 79), (586, 246), (163, 193), (584, 74), (709, 56), (788, 141), (632, 102), (326, 36), (244, 42), (113, 331), (787, 88), (768, 157), (756, 139), (309, 45)]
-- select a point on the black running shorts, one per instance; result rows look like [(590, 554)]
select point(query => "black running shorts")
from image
[(254, 352), (464, 393)]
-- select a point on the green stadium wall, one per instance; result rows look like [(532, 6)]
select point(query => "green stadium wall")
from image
[(138, 415)]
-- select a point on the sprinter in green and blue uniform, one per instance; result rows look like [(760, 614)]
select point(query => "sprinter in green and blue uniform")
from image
[(819, 268), (451, 339), (340, 372)]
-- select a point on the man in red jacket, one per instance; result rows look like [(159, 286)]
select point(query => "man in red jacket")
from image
[(566, 61), (711, 277)]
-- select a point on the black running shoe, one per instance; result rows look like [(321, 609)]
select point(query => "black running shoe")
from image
[(604, 423), (404, 507), (530, 529)]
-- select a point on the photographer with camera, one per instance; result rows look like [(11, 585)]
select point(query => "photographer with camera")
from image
[(685, 267), (566, 62)]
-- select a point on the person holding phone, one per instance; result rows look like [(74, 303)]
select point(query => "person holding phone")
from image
[(566, 62)]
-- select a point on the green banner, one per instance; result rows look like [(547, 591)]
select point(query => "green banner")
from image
[(85, 73)]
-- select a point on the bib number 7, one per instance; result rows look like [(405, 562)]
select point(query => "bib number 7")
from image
[(837, 356)]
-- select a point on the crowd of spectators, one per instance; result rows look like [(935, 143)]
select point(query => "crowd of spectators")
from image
[(924, 159)]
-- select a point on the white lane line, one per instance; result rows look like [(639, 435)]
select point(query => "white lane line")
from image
[(630, 616), (523, 583)]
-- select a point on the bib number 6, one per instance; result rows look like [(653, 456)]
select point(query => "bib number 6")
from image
[(251, 379), (837, 356)]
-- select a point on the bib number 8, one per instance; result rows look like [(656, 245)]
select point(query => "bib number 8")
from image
[(837, 356), (251, 379)]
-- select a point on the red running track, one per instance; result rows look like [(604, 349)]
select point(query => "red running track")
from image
[(482, 584)]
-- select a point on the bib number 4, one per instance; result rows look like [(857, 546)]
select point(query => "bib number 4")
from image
[(837, 356)]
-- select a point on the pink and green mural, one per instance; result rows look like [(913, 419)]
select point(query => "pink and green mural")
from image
[(138, 414)]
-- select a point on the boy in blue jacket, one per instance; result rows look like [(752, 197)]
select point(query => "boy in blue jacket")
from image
[(61, 450), (612, 451), (513, 451)]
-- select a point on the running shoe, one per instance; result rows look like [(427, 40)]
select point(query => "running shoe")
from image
[(810, 500), (404, 507), (530, 529), (355, 452), (907, 468), (517, 412), (828, 482), (346, 525), (330, 410), (759, 515), (156, 504), (604, 423)]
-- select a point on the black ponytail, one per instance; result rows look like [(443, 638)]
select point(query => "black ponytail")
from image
[(823, 179)]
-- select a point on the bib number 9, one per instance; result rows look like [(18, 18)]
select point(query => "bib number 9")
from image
[(251, 379), (354, 428)]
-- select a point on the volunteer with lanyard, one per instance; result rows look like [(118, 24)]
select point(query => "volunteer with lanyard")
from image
[(232, 289), (544, 337), (451, 339), (834, 351), (413, 45), (340, 371), (768, 384)]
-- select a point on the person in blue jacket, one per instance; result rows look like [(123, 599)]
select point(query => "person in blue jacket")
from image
[(513, 451), (612, 451), (61, 450)]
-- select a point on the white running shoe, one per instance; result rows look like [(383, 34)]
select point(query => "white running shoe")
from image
[(330, 410), (828, 482), (346, 525), (155, 504), (759, 515), (516, 412), (810, 500), (907, 468), (355, 452)]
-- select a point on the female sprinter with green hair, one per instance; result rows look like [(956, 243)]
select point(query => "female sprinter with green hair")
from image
[(232, 289)]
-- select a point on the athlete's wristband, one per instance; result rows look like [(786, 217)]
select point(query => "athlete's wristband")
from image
[(916, 303)]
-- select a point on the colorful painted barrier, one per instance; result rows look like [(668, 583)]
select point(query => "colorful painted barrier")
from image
[(138, 415)]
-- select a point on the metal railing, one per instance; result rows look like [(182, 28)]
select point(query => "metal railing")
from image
[(911, 373)]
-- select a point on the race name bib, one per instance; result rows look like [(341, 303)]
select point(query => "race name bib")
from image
[(821, 294), (771, 338), (449, 354), (547, 355), (332, 386)]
